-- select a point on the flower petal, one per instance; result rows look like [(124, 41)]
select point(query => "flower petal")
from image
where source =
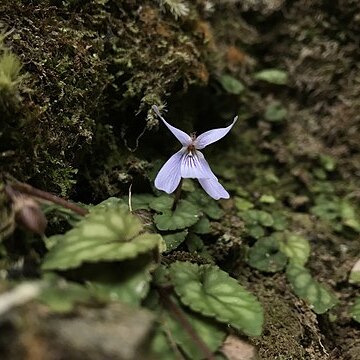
[(182, 136), (212, 136), (169, 175), (194, 165), (214, 188), (206, 167)]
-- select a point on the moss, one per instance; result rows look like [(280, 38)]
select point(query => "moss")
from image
[(10, 99), (87, 64), (67, 78), (290, 331)]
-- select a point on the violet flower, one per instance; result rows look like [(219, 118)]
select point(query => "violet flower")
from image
[(189, 162)]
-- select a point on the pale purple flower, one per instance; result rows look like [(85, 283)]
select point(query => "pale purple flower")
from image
[(189, 162)]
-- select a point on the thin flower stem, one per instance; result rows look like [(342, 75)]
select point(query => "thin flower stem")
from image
[(177, 195), (29, 190), (178, 314)]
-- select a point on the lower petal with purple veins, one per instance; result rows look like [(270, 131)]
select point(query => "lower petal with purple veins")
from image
[(194, 166)]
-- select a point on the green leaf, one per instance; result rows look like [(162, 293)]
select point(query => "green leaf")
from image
[(243, 204), (202, 226), (355, 310), (254, 217), (256, 231), (160, 277), (296, 248), (280, 221), (185, 215), (328, 162), (273, 76), (319, 173), (188, 185), (231, 85), (173, 240), (52, 241), (210, 332), (337, 211), (264, 218), (105, 234), (326, 210), (349, 216), (212, 292), (267, 199), (206, 204), (162, 203), (111, 202), (161, 347), (319, 298), (347, 211), (131, 287), (265, 255), (140, 201), (62, 296), (194, 243), (353, 224), (275, 112)]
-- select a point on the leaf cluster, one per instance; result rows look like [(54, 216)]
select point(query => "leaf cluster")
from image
[(112, 256), (186, 224), (277, 249)]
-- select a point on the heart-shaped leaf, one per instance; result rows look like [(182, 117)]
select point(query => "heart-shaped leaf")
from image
[(296, 248), (212, 292), (173, 240), (185, 215), (202, 226), (265, 255), (257, 217), (256, 231), (243, 204), (207, 205), (319, 298), (194, 243), (105, 234), (280, 221), (162, 203)]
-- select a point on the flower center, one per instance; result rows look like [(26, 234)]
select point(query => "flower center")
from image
[(191, 149)]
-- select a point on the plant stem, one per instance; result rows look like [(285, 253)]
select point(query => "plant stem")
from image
[(178, 314), (177, 195), (29, 190)]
